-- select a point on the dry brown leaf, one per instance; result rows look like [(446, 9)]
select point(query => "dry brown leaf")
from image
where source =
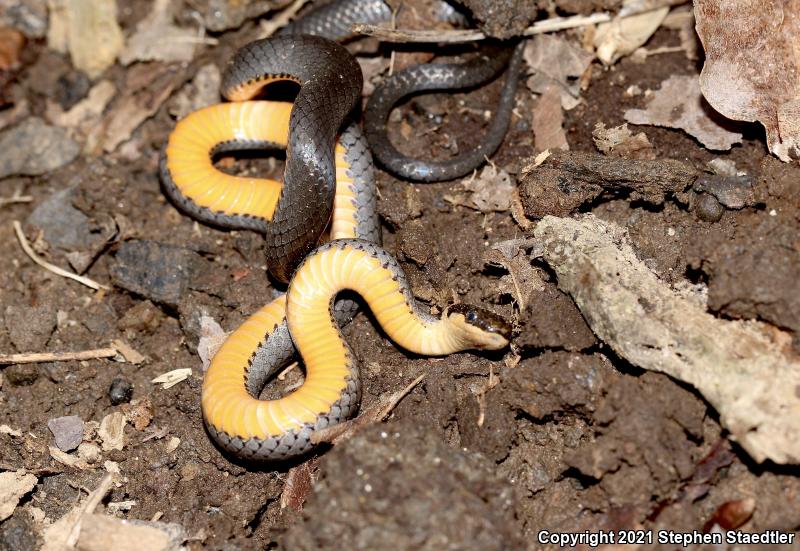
[(211, 338), (556, 61), (523, 279), (492, 189), (139, 413), (11, 43), (679, 104), (621, 142), (158, 39), (371, 68), (548, 119), (88, 30), (86, 113), (141, 101), (752, 62), (682, 20), (201, 92), (112, 431), (623, 35), (299, 484)]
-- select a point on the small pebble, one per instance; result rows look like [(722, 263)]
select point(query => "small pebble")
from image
[(157, 271), (120, 391), (708, 208), (68, 431), (72, 87)]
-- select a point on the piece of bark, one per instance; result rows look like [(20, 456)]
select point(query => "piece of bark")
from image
[(566, 180), (745, 370), (101, 532)]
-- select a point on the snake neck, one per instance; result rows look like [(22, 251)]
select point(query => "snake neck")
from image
[(362, 267)]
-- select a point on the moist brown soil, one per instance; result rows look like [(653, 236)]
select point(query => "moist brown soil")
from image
[(570, 437)]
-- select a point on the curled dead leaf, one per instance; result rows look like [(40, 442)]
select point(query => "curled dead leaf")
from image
[(752, 59), (679, 104)]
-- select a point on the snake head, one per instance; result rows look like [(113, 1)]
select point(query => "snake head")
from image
[(484, 330)]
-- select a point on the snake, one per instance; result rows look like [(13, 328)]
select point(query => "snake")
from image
[(280, 429), (293, 216), (336, 19), (277, 429)]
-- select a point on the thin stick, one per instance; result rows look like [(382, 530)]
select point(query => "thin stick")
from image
[(16, 198), (470, 35), (632, 8), (23, 241), (206, 40), (37, 357), (377, 412), (268, 27), (395, 398)]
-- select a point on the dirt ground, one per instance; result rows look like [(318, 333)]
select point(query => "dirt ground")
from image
[(489, 449)]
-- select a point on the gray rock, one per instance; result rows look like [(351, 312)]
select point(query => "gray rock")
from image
[(63, 225), (32, 148), (68, 431), (154, 270)]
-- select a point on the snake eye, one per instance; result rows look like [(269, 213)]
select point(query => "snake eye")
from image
[(472, 316)]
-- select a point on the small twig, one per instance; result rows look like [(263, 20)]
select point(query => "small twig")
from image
[(520, 296), (639, 6), (38, 357), (395, 398), (88, 508), (268, 27), (16, 198), (492, 382), (645, 53), (23, 241), (206, 40), (393, 26), (282, 375), (379, 411), (469, 35)]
